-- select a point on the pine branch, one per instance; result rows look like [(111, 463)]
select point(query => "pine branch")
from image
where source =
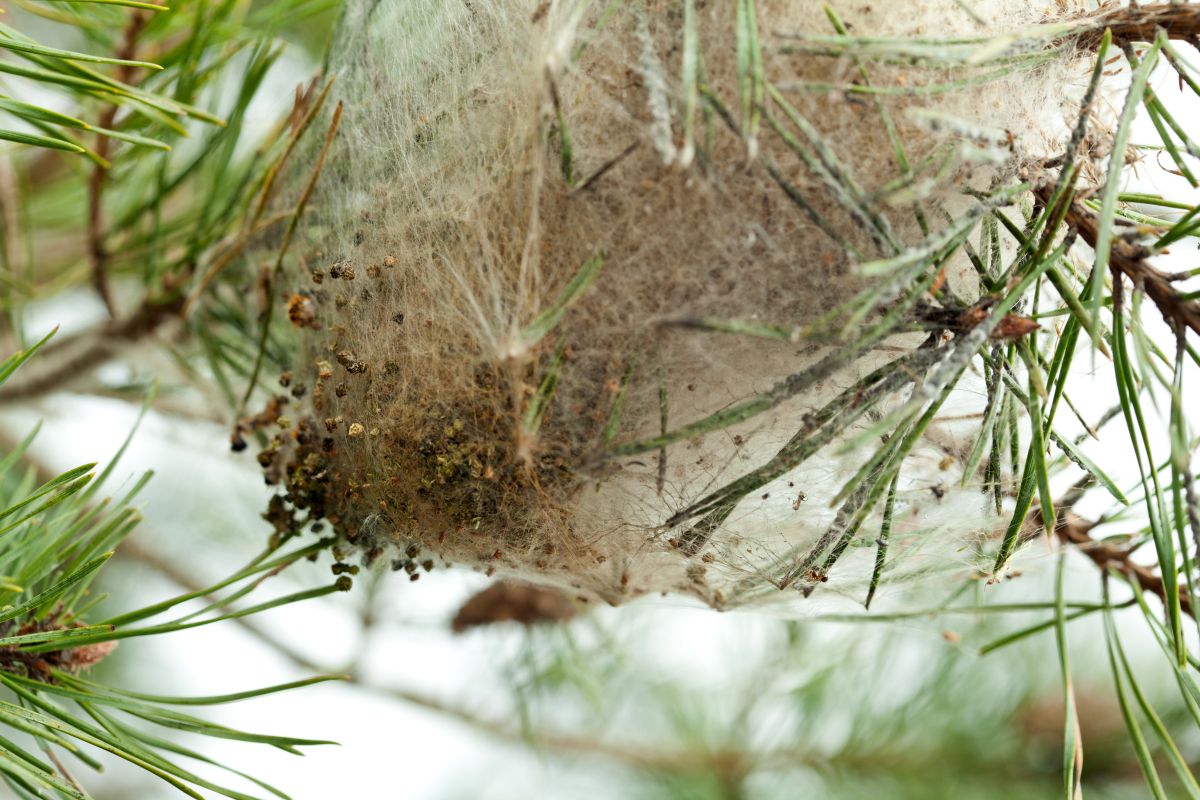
[(1140, 23), (1075, 530), (96, 231), (49, 557), (1132, 261), (73, 356)]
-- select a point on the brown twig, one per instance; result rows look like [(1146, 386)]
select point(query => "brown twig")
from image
[(729, 762), (637, 757), (68, 357), (1142, 23), (1075, 530), (1132, 260), (97, 251), (73, 356)]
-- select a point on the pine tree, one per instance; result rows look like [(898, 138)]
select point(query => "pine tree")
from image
[(482, 354)]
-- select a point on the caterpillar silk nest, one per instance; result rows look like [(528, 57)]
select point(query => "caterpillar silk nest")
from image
[(582, 302)]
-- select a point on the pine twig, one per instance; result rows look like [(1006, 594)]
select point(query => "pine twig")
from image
[(1132, 260), (97, 251), (1075, 530), (72, 356), (1142, 23)]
